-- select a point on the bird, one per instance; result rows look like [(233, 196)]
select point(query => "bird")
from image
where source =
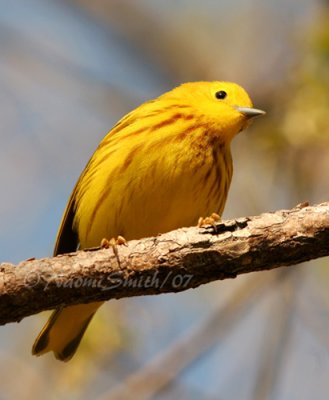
[(160, 168)]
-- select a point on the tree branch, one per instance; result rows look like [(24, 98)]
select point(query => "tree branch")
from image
[(171, 262)]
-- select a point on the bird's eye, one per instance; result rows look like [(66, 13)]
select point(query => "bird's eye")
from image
[(221, 94)]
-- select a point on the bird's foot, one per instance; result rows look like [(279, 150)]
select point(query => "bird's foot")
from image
[(211, 220), (114, 243)]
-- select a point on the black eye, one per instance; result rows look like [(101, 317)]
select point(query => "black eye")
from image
[(221, 95)]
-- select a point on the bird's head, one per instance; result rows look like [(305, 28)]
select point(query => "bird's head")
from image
[(225, 106)]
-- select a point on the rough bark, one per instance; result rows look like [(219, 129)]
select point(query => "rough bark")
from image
[(171, 262)]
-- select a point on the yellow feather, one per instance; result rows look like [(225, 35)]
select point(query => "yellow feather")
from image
[(161, 167)]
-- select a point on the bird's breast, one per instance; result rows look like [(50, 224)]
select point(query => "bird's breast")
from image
[(156, 192)]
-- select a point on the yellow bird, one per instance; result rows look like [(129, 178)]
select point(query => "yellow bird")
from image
[(161, 167)]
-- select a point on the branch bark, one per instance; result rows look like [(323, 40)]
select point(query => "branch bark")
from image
[(171, 262)]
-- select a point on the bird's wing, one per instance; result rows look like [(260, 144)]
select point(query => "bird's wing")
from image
[(67, 238)]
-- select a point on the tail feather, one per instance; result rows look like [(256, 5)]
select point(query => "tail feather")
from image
[(64, 330)]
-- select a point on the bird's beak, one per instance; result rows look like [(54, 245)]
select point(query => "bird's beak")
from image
[(250, 112)]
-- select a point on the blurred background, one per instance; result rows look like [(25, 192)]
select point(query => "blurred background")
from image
[(69, 69)]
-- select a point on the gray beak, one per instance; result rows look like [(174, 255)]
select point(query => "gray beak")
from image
[(250, 112)]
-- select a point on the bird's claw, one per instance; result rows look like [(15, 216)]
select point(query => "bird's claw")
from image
[(114, 243), (211, 220)]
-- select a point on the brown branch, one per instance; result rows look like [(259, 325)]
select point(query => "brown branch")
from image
[(172, 262)]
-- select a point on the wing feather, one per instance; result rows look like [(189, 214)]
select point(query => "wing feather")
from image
[(67, 239)]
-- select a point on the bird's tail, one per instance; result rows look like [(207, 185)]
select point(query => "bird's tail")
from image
[(64, 330)]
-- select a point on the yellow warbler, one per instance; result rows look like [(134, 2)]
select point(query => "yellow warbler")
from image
[(161, 167)]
